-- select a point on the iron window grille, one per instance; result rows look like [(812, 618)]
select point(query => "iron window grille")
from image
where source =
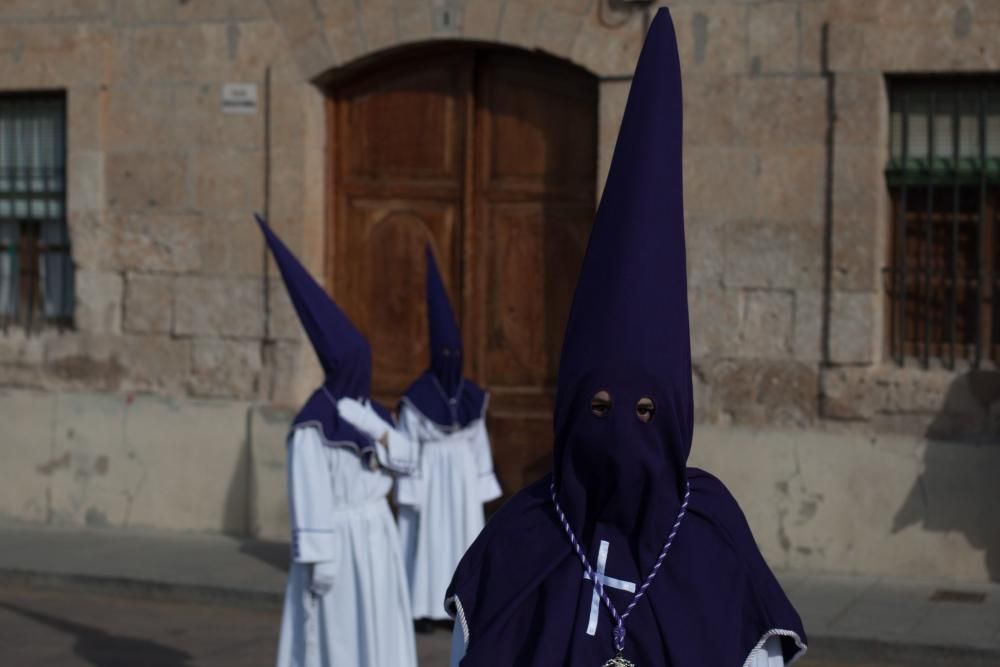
[(944, 181), (36, 268)]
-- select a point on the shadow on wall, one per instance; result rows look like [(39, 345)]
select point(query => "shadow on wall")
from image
[(101, 649), (950, 494), (236, 516)]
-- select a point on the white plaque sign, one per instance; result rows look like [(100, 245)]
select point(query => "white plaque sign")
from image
[(239, 98)]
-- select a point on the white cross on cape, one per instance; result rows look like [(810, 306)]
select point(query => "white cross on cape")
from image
[(607, 582)]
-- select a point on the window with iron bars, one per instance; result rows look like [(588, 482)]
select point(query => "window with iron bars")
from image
[(944, 181), (36, 269)]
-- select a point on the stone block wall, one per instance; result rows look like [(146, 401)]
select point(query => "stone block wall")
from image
[(170, 296), (756, 175), (786, 136), (868, 41)]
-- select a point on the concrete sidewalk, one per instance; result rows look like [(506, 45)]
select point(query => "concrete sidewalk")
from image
[(219, 568)]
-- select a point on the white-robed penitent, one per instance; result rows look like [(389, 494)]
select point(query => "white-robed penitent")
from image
[(347, 603), (441, 504)]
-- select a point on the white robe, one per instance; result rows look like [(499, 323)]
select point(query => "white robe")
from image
[(768, 655), (441, 504), (347, 603)]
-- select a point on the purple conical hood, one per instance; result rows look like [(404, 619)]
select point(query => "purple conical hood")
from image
[(342, 350), (630, 306), (445, 339), (442, 393), (627, 332)]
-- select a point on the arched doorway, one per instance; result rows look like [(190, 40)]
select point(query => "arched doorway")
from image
[(490, 156)]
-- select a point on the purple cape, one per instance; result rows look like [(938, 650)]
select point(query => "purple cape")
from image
[(342, 351), (520, 591), (441, 393)]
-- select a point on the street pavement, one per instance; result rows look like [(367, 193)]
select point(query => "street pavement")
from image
[(73, 597), (65, 626)]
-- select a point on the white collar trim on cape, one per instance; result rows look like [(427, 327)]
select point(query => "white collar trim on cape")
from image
[(448, 428), (778, 632)]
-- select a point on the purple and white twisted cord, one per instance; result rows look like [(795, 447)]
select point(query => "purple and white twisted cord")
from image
[(619, 632)]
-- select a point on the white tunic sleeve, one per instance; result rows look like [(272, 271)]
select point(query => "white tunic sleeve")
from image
[(393, 449), (399, 452), (310, 498), (768, 655), (489, 487), (457, 645), (409, 422), (408, 486)]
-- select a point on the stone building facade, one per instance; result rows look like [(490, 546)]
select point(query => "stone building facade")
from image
[(164, 404)]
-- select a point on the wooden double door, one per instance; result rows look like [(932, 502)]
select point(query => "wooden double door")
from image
[(488, 156)]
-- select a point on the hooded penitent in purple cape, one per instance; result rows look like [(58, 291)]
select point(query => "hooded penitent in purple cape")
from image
[(520, 590), (343, 352), (441, 393)]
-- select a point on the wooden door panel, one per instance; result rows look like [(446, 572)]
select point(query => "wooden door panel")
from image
[(406, 129), (389, 302), (521, 448), (534, 200), (400, 155), (539, 129), (491, 157), (535, 250)]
